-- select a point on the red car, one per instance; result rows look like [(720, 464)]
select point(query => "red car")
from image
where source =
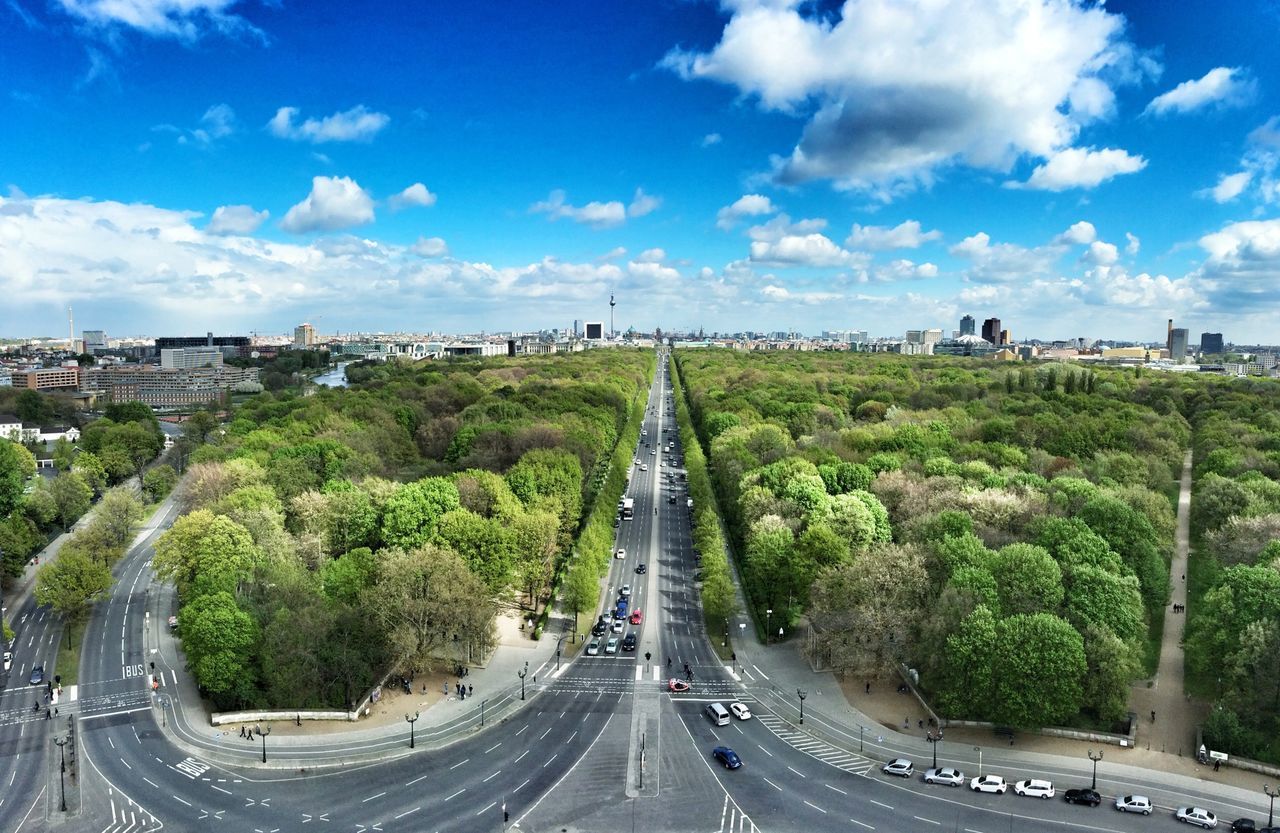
[(637, 616), (677, 685)]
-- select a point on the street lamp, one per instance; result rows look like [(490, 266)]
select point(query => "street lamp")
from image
[(801, 693), (726, 633), (1094, 786), (558, 642), (978, 749), (1271, 806), (62, 777), (482, 702), (934, 740), (768, 617), (521, 674), (263, 735), (861, 730), (412, 720)]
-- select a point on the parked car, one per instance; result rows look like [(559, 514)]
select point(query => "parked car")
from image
[(900, 767), (676, 685), (726, 756), (1082, 796), (988, 784), (1244, 826), (1134, 804), (1198, 816), (1034, 787), (37, 675), (611, 647), (740, 711), (593, 648), (950, 776)]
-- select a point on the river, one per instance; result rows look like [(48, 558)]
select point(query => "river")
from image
[(336, 378)]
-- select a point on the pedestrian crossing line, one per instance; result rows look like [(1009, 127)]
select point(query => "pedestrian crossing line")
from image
[(834, 756)]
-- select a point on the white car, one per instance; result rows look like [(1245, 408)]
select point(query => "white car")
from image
[(653, 451), (1134, 804), (611, 647), (900, 767), (618, 626), (8, 660), (988, 784), (740, 711), (624, 591), (620, 554), (593, 647), (1197, 816), (950, 776), (1034, 787), (644, 467)]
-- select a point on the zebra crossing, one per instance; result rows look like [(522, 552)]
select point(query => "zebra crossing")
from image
[(841, 759)]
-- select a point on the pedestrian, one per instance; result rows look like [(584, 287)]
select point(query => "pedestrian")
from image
[(868, 688), (55, 711), (471, 690), (1216, 764), (46, 714), (906, 723), (1153, 716), (920, 724), (446, 688), (241, 732)]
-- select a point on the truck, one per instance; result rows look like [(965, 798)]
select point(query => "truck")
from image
[(628, 508)]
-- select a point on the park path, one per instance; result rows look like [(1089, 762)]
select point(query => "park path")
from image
[(1174, 729)]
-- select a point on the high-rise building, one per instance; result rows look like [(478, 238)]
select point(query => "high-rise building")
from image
[(967, 326), (932, 336), (1006, 337), (304, 335), (577, 328), (991, 330), (594, 330), (915, 337), (1168, 339), (1178, 344), (94, 341), (186, 358), (1211, 343)]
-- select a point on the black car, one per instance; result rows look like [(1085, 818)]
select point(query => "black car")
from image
[(599, 628), (671, 499), (629, 642), (641, 569), (1084, 796), (1244, 826), (37, 675)]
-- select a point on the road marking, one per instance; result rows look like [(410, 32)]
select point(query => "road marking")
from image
[(460, 763), (862, 823), (491, 777), (517, 789), (152, 783), (126, 763), (522, 728), (491, 748), (544, 734), (837, 789), (816, 807), (639, 672), (372, 797), (455, 795), (175, 798), (797, 772), (220, 789), (490, 807), (879, 803), (931, 821), (517, 760), (775, 786), (549, 760), (407, 812), (415, 780)]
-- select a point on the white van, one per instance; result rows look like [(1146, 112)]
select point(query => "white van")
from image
[(718, 714)]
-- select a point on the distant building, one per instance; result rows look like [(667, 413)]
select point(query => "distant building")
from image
[(932, 336), (47, 378), (6, 377), (915, 336), (967, 345), (1178, 344), (991, 330), (594, 331), (186, 358), (230, 345), (1006, 337), (1168, 339), (95, 341), (577, 328), (1211, 343), (304, 335), (166, 387), (967, 326)]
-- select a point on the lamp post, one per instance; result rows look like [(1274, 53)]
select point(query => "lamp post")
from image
[(521, 674), (861, 730), (978, 749), (934, 740), (62, 777), (1094, 786), (768, 619), (558, 642), (801, 693), (726, 633), (1271, 806), (482, 704), (263, 735), (411, 720)]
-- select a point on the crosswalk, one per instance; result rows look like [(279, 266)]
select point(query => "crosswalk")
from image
[(834, 756), (733, 819)]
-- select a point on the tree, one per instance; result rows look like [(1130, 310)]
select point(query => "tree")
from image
[(205, 553), (352, 520), (1113, 665), (72, 497), (1243, 595), (33, 408), (345, 577), (486, 545), (118, 512), (411, 514), (581, 588), (218, 638), (16, 465), (89, 466), (1039, 669), (19, 540), (967, 681), (1217, 498), (1095, 596), (159, 481), (849, 518), (63, 454), (1028, 579), (71, 583), (533, 541), (553, 475)]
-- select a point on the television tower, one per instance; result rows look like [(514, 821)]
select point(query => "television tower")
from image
[(613, 333)]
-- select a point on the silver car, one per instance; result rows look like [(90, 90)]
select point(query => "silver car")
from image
[(950, 776), (1134, 804), (900, 767)]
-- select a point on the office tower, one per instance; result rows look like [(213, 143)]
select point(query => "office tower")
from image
[(991, 330), (1178, 344), (594, 330), (1209, 343), (1006, 337), (967, 326), (94, 340), (304, 335), (932, 336)]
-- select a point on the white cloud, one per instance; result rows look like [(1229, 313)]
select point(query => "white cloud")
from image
[(430, 247), (613, 254), (903, 270), (711, 139), (236, 219), (1259, 167), (815, 250), (184, 20), (905, 235), (1080, 168), (781, 226), (654, 255), (1101, 254), (1005, 262), (334, 202), (1221, 87), (1229, 187), (1132, 243), (642, 204), (1081, 233), (217, 122), (748, 205), (359, 124), (415, 194), (902, 89)]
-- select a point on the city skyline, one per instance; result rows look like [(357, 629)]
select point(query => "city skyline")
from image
[(228, 166)]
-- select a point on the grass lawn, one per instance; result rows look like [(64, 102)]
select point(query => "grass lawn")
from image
[(68, 663)]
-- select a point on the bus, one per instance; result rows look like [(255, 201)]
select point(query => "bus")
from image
[(628, 508)]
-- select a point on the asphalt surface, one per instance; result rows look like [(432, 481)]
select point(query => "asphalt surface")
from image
[(600, 745)]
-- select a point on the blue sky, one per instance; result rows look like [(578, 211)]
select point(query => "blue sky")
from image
[(1073, 169)]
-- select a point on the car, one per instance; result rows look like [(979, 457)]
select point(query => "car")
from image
[(1082, 796), (652, 452), (37, 675), (621, 553), (644, 432), (671, 499), (641, 569), (676, 685), (1034, 787), (599, 629), (611, 647), (644, 467), (8, 660), (988, 784), (618, 626), (593, 648), (624, 591), (948, 775), (727, 757), (637, 462), (1244, 826), (900, 767), (740, 711), (637, 616), (173, 623), (1134, 804), (1198, 816), (629, 642)]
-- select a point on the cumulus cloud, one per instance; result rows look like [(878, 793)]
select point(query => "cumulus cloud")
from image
[(905, 235), (781, 226), (642, 204), (748, 205), (1221, 87), (816, 250), (217, 122), (711, 139), (1100, 253), (654, 255), (1259, 167), (415, 194), (1080, 168), (1132, 243), (359, 124), (902, 270), (430, 247), (596, 214), (901, 89), (1229, 187), (185, 20), (334, 202), (1004, 262), (236, 219), (1080, 234)]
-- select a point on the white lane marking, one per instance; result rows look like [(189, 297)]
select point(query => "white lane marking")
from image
[(517, 760), (458, 793), (372, 797), (460, 763), (549, 760), (816, 807), (408, 812), (797, 772), (517, 789), (491, 748), (837, 789), (175, 798), (770, 783), (415, 780), (491, 777), (220, 789), (879, 803), (862, 823), (931, 821), (486, 809)]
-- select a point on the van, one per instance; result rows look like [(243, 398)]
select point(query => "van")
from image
[(718, 714)]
